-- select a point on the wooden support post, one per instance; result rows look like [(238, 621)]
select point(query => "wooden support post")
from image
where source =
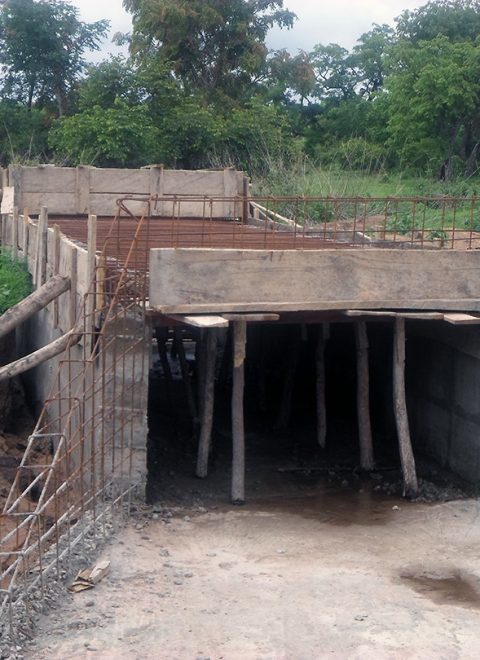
[(91, 301), (15, 233), (363, 397), (208, 397), (200, 361), (56, 268), (41, 263), (91, 264), (323, 336), (25, 234), (410, 483), (73, 285), (238, 422), (187, 381)]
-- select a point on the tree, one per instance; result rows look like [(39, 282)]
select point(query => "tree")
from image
[(290, 77), (120, 136), (216, 48), (335, 71), (458, 20), (23, 133), (115, 78), (371, 58), (434, 101), (42, 47)]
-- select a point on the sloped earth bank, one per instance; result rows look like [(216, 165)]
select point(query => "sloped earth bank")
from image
[(308, 569)]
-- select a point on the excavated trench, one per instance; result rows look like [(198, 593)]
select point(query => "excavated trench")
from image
[(283, 456)]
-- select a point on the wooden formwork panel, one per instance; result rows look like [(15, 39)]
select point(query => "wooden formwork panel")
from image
[(83, 190), (208, 280)]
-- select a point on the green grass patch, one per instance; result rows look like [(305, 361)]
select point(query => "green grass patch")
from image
[(15, 281)]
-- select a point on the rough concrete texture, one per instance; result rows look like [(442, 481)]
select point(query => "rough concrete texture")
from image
[(341, 574), (443, 382)]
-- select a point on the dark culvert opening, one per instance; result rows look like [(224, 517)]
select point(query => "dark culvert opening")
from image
[(283, 456)]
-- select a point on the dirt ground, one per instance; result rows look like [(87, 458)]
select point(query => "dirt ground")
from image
[(317, 571)]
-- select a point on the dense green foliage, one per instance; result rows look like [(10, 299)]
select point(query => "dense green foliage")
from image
[(201, 89), (15, 281)]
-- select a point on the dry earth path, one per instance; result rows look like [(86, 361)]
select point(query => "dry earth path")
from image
[(352, 575)]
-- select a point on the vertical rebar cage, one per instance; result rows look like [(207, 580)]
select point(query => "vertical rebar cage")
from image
[(86, 435)]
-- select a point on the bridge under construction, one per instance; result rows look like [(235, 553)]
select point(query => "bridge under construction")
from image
[(292, 303)]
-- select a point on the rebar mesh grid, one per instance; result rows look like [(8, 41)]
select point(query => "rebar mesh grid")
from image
[(284, 223), (85, 433)]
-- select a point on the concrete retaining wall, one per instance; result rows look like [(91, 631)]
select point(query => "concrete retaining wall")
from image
[(443, 383)]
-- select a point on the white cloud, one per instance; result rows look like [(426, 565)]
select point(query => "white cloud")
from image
[(340, 21), (319, 21)]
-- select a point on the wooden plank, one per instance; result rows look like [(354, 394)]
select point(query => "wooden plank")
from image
[(201, 321), (461, 319), (295, 280), (119, 181), (8, 195), (73, 285), (420, 316), (56, 269), (450, 304), (25, 233), (82, 190), (15, 221), (252, 318), (46, 179), (42, 247)]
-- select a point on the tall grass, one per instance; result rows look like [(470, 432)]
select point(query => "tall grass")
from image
[(15, 281), (302, 176)]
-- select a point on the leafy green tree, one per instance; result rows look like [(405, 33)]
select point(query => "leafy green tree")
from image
[(42, 48), (112, 79), (372, 59), (23, 133), (290, 77), (119, 136), (335, 72), (216, 48), (434, 102), (458, 20)]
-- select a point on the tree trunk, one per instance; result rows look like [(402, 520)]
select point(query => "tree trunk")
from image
[(42, 355), (238, 422), (410, 487), (205, 441), (363, 397), (33, 303)]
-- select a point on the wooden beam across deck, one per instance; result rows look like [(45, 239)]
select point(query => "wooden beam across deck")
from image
[(195, 281)]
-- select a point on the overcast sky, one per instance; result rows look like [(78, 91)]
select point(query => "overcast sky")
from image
[(319, 21)]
